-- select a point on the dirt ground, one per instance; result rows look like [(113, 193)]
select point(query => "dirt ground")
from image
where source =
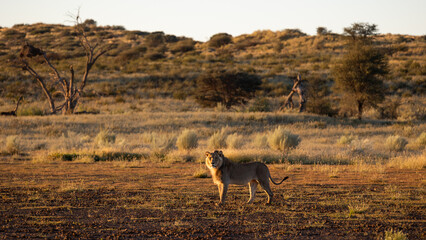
[(144, 200)]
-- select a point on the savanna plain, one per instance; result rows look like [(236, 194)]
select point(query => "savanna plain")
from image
[(129, 175), (129, 162)]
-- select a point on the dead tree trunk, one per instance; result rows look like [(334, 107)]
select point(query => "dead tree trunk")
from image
[(13, 112), (67, 89), (360, 108), (298, 88)]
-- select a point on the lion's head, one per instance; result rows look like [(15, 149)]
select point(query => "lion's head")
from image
[(214, 159)]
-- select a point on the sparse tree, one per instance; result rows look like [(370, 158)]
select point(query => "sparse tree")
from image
[(93, 47), (226, 87), (358, 76), (361, 31), (322, 31)]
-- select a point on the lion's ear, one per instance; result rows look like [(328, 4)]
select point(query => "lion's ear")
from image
[(207, 154), (221, 153)]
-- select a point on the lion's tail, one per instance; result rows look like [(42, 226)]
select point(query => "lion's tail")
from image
[(272, 180)]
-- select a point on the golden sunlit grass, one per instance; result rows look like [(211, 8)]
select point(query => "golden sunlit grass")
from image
[(417, 161), (175, 136)]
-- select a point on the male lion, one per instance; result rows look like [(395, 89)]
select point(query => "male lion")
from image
[(225, 172)]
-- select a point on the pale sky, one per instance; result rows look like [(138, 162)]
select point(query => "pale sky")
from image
[(200, 19)]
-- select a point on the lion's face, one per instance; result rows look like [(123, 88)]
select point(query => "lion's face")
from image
[(214, 159)]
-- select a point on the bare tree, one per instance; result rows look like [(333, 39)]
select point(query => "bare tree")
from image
[(93, 48), (13, 112), (300, 89)]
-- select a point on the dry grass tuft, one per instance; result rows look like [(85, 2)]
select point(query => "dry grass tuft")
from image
[(281, 139), (218, 139), (200, 173), (358, 208), (421, 140), (395, 235), (396, 143), (408, 162), (235, 141), (187, 140), (105, 138), (12, 145), (346, 139)]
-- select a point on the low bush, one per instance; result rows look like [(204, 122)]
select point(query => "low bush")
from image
[(396, 143), (30, 111), (421, 140), (346, 139), (281, 139), (183, 46), (395, 235), (260, 141), (105, 138), (219, 40), (218, 139), (260, 105), (187, 140), (234, 141), (12, 145)]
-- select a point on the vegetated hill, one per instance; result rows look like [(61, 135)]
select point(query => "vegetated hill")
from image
[(170, 64)]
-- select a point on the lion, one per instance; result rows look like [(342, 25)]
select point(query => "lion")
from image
[(225, 172)]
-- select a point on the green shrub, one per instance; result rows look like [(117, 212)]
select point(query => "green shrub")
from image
[(234, 141), (187, 140), (396, 143), (281, 139), (218, 139), (105, 138)]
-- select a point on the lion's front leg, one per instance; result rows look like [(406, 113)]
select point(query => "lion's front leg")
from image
[(252, 188), (223, 188)]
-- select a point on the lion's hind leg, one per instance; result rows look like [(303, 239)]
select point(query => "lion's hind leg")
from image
[(265, 185), (252, 188)]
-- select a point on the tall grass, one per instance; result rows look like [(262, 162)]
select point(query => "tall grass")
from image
[(408, 162), (244, 136)]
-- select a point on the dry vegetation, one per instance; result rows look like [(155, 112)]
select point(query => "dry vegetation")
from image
[(142, 199), (128, 175), (135, 169), (155, 65)]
